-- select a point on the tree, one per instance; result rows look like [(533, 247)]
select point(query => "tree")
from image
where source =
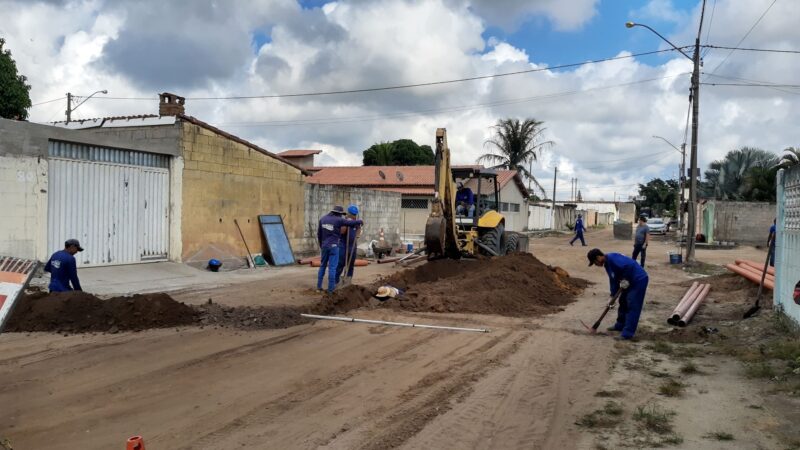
[(790, 157), (660, 195), (402, 152), (518, 144), (743, 174), (14, 91)]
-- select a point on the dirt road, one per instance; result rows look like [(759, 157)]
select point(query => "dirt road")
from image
[(323, 385)]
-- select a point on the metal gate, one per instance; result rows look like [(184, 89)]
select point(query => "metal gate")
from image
[(116, 202), (787, 247)]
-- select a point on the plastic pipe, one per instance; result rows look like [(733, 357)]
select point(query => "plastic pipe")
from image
[(757, 272), (693, 309), (755, 278), (394, 324), (760, 267), (387, 260), (682, 305)]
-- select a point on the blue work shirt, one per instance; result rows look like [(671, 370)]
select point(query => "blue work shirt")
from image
[(465, 195), (620, 267), (330, 228), (63, 270), (349, 236), (579, 228)]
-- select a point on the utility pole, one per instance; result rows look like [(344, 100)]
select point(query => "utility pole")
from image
[(69, 107), (695, 119), (553, 211)]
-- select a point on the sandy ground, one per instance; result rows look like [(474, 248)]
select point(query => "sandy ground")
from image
[(336, 385)]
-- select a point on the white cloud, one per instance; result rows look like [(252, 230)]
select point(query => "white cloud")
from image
[(509, 14)]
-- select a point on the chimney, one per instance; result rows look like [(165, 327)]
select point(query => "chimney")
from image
[(170, 104)]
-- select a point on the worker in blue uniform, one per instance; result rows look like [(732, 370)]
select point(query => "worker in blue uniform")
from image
[(347, 245), (465, 201), (623, 273), (63, 269), (579, 229), (328, 235), (771, 242)]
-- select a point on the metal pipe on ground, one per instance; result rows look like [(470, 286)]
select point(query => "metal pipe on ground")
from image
[(693, 309), (394, 324), (755, 278), (688, 297), (760, 267)]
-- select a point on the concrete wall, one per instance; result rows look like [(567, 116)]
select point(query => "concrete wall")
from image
[(540, 217), (23, 188), (626, 212), (412, 220), (740, 222), (225, 180), (378, 209)]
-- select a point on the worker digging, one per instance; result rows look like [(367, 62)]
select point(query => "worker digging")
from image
[(348, 246), (624, 275), (328, 237), (63, 268)]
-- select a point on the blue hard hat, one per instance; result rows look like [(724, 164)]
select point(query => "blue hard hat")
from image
[(352, 209), (214, 262)]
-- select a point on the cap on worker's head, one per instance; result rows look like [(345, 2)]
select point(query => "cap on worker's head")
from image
[(593, 254), (353, 210), (580, 215), (71, 242), (337, 210), (643, 218)]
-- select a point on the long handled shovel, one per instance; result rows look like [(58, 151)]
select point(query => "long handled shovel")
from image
[(349, 258), (754, 309), (610, 305)]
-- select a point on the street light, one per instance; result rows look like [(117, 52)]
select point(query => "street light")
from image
[(694, 99), (682, 151), (69, 102)]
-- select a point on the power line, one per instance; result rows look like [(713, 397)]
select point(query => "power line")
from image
[(772, 83), (793, 86), (763, 50), (48, 101), (708, 31), (745, 36), (415, 85)]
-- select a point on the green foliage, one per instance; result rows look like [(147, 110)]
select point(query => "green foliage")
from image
[(744, 174), (402, 152), (660, 195), (518, 145), (654, 418), (671, 388), (720, 436), (14, 91), (607, 417)]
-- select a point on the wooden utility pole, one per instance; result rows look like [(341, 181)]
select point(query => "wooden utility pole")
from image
[(553, 211)]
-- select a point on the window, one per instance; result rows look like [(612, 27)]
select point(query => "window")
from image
[(414, 203), (514, 207), (503, 206)]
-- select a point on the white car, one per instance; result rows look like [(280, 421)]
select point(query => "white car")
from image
[(657, 226)]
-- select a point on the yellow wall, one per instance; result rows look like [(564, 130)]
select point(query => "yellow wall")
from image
[(224, 180)]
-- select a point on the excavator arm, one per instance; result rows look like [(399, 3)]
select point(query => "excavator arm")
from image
[(441, 234)]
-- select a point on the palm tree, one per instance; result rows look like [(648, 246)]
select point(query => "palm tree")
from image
[(790, 157), (738, 176), (518, 144)]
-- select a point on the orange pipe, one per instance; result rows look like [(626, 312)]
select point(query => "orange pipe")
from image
[(310, 260), (693, 309), (358, 263), (757, 272), (686, 300), (760, 267), (755, 278)]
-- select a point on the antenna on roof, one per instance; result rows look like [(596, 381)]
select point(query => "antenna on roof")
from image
[(399, 175), (383, 175)]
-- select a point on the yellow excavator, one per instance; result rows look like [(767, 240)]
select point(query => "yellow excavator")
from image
[(452, 235)]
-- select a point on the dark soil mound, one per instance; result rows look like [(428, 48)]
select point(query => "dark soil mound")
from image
[(76, 312), (249, 318)]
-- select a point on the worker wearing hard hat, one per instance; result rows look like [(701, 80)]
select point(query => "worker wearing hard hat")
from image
[(328, 236), (623, 273), (347, 245)]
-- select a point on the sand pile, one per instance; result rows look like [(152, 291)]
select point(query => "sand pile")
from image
[(75, 312)]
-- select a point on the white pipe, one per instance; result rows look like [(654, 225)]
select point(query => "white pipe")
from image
[(396, 324)]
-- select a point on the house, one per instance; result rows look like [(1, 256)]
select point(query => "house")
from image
[(142, 188), (416, 186), (302, 158)]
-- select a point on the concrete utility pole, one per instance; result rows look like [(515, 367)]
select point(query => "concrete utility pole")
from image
[(695, 119), (70, 108), (553, 210)]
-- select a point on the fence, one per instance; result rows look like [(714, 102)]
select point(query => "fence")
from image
[(540, 216), (787, 248)]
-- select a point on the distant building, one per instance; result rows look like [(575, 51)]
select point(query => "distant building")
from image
[(303, 158)]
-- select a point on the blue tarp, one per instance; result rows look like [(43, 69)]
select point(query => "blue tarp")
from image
[(279, 250)]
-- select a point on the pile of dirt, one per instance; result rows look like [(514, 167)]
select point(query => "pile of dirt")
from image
[(249, 318), (517, 284), (76, 312)]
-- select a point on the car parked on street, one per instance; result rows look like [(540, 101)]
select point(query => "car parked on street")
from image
[(657, 226)]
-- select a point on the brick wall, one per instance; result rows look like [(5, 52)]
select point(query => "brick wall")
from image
[(742, 222), (225, 180), (378, 209), (23, 185)]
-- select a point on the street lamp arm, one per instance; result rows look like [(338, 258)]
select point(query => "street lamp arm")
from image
[(87, 98), (670, 144), (634, 24)]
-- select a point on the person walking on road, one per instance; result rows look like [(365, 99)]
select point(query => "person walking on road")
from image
[(579, 229), (63, 269), (328, 235), (771, 242), (623, 273), (641, 240), (347, 245)]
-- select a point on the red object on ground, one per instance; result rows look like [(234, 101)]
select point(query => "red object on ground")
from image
[(135, 443), (760, 267), (310, 260), (752, 276), (358, 263), (756, 271), (685, 303), (693, 309)]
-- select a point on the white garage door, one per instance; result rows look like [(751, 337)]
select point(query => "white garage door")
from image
[(116, 202)]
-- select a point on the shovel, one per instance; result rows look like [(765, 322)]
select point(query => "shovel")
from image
[(610, 305), (754, 309), (348, 258)]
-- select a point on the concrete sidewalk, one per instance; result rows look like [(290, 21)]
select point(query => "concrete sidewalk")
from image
[(163, 277)]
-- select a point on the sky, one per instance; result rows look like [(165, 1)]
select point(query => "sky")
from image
[(601, 116)]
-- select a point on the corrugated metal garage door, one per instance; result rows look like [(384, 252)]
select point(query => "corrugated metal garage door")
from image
[(116, 202)]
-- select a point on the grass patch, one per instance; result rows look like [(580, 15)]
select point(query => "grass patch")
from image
[(671, 388), (689, 368), (657, 374), (755, 406), (608, 416), (654, 418), (609, 394), (660, 347), (720, 436), (759, 370), (788, 350)]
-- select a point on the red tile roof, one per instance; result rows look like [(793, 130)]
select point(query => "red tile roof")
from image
[(408, 190), (298, 153)]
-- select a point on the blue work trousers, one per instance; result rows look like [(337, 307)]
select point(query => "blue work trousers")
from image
[(772, 254), (630, 307), (637, 249), (578, 235), (330, 260), (343, 256)]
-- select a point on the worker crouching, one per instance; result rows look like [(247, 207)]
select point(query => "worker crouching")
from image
[(623, 273)]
